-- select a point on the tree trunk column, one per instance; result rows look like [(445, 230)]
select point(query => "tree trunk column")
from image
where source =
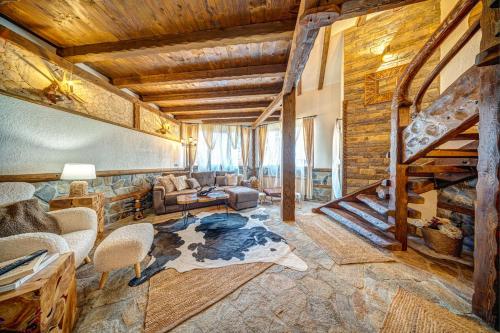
[(288, 158), (486, 298)]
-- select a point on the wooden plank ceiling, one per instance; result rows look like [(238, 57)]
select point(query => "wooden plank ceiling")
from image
[(218, 60), (198, 60)]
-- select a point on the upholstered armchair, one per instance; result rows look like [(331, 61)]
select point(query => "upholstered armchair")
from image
[(78, 229)]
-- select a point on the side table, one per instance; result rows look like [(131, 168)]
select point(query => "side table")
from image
[(94, 201), (45, 303)]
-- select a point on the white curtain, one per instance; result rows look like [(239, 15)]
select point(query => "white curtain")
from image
[(223, 155), (300, 159), (271, 163), (337, 160)]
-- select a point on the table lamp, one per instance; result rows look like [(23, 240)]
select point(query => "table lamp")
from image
[(79, 173)]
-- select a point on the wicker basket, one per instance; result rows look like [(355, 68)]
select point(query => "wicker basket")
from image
[(441, 243)]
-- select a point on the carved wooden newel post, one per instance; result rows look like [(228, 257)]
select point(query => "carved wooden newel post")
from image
[(288, 158), (485, 301)]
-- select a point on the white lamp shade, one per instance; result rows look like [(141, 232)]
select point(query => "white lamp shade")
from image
[(75, 171)]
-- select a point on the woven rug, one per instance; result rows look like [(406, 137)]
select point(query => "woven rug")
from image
[(410, 313), (175, 297), (343, 246)]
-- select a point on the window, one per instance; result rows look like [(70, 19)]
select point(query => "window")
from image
[(223, 156)]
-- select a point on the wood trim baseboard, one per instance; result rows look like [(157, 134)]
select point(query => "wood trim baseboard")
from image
[(46, 177)]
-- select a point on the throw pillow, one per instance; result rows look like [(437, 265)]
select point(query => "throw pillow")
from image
[(220, 181), (231, 179), (193, 183), (166, 183), (26, 216), (180, 183)]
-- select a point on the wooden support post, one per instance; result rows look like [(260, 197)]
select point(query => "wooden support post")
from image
[(486, 297), (485, 301), (288, 158), (254, 152)]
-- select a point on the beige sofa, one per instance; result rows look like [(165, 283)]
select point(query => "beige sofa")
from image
[(240, 196), (78, 226)]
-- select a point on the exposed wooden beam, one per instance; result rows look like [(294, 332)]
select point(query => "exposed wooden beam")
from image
[(189, 95), (324, 55), (220, 115), (253, 33), (214, 107), (237, 120), (252, 110), (310, 19), (203, 76)]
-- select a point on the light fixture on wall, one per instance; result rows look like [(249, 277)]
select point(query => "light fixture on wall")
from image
[(190, 144), (79, 173)]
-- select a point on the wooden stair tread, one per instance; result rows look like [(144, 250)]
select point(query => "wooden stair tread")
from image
[(466, 136), (446, 153), (372, 201), (367, 214), (415, 198), (430, 170), (362, 228)]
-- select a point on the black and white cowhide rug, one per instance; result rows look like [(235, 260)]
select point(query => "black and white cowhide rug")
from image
[(216, 240)]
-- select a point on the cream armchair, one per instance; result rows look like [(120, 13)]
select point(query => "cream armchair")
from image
[(78, 229)]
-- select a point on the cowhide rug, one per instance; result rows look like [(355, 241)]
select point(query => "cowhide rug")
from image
[(216, 240)]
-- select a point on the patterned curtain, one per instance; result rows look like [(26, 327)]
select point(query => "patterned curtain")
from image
[(308, 128)]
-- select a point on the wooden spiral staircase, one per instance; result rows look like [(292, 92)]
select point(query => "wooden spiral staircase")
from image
[(418, 162)]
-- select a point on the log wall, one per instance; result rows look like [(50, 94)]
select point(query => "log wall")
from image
[(373, 51)]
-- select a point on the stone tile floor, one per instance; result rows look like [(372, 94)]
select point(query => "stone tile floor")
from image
[(325, 298)]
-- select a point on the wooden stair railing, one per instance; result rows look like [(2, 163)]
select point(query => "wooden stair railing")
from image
[(456, 108), (379, 212)]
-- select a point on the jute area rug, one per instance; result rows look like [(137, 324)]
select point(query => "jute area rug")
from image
[(175, 297), (343, 246), (410, 313)]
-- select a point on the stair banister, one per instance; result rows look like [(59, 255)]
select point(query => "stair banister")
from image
[(400, 117)]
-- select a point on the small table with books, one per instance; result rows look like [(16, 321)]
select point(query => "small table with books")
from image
[(46, 302)]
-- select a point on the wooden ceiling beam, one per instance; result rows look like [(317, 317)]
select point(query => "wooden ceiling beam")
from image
[(310, 19), (237, 120), (222, 115), (214, 107), (246, 72), (245, 34), (191, 95), (324, 56)]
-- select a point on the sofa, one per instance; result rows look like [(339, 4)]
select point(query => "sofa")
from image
[(78, 227), (240, 196)]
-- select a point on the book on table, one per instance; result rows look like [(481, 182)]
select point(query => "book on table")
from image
[(14, 278)]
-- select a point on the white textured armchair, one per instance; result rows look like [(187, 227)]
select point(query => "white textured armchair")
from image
[(78, 229)]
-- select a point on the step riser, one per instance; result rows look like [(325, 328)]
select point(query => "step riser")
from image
[(377, 223), (357, 227)]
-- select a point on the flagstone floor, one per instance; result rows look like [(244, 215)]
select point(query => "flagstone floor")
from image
[(326, 298)]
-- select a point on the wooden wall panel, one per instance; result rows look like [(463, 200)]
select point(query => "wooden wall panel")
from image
[(386, 41)]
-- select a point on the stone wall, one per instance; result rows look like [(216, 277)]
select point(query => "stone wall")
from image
[(463, 195), (384, 42), (111, 186), (322, 185), (26, 75)]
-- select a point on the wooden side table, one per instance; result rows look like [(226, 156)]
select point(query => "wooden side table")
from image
[(92, 200), (45, 303)]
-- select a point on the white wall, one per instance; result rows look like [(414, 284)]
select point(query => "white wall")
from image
[(38, 139), (325, 104)]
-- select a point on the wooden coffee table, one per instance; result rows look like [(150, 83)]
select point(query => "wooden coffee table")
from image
[(187, 199)]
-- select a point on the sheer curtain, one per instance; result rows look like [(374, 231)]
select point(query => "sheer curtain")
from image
[(271, 161), (337, 160), (300, 159), (245, 148), (224, 152), (308, 133)]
